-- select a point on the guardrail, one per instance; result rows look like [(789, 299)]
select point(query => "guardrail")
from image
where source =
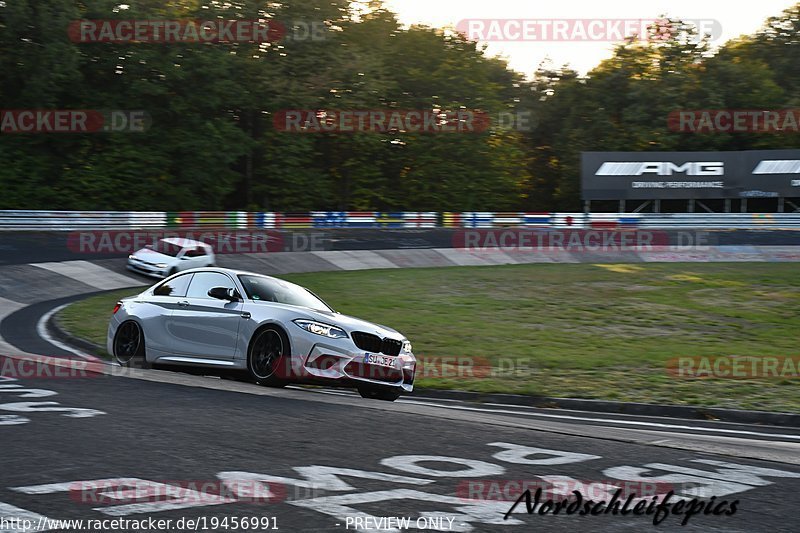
[(624, 220), (71, 220), (115, 220)]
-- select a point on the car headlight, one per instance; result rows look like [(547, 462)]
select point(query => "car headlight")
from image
[(406, 347), (161, 265), (131, 256), (319, 328)]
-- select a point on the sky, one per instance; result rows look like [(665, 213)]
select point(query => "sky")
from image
[(732, 18)]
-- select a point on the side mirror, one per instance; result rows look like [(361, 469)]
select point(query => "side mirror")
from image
[(224, 293)]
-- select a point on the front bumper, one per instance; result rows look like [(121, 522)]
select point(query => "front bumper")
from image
[(146, 269), (328, 363)]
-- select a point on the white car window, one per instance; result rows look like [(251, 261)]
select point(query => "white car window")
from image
[(203, 281), (175, 287), (194, 251), (276, 290), (167, 248)]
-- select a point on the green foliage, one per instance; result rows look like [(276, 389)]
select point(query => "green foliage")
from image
[(623, 104), (212, 143)]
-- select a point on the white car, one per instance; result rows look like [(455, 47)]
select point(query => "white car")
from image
[(273, 331), (171, 255)]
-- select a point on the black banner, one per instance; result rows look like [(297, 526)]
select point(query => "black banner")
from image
[(686, 175)]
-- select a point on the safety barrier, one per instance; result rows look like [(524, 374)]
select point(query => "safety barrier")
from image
[(80, 220), (721, 220), (486, 219), (72, 220)]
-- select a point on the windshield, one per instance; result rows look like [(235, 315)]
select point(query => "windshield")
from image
[(166, 248), (276, 290)]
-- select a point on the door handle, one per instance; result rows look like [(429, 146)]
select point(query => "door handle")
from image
[(183, 303), (245, 315)]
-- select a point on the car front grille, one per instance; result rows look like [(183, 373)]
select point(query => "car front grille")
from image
[(373, 343), (391, 346)]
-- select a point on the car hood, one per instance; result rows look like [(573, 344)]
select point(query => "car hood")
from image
[(151, 256), (348, 323), (351, 323)]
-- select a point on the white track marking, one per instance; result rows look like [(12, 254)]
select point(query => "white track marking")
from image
[(581, 418), (354, 260), (6, 308), (41, 330), (561, 410), (606, 420), (16, 517), (90, 273)]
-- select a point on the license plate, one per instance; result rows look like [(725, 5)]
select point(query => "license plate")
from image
[(380, 360)]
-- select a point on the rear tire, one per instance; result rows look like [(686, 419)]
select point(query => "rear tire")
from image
[(371, 393), (267, 356), (129, 347)]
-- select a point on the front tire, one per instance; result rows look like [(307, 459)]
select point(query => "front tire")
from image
[(129, 349), (372, 393), (266, 357)]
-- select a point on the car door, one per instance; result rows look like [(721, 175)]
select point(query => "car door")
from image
[(202, 326), (199, 257), (186, 259), (160, 304)]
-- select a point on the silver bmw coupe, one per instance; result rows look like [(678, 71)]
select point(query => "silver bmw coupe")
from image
[(268, 329)]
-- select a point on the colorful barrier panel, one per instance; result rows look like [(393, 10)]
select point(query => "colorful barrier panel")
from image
[(79, 220)]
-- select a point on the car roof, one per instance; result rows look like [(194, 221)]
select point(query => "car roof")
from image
[(233, 272), (183, 243)]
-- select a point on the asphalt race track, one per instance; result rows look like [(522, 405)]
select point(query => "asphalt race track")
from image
[(326, 456), (210, 454)]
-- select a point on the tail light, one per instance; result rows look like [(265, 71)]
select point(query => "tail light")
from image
[(116, 308)]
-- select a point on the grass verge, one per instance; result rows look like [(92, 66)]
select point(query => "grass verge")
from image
[(570, 330)]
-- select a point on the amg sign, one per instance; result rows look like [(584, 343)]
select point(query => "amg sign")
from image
[(685, 175), (661, 168)]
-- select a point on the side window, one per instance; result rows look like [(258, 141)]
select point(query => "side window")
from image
[(203, 281), (175, 287), (195, 252)]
